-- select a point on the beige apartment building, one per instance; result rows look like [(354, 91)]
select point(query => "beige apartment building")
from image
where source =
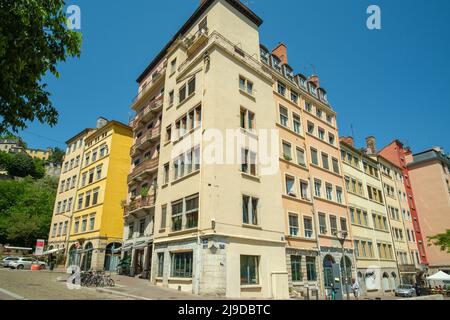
[(430, 175), (67, 187), (377, 270), (314, 201), (219, 228), (401, 222)]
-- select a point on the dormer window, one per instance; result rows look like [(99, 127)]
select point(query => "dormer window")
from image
[(265, 55), (322, 95), (276, 63), (281, 89), (301, 82), (313, 89), (289, 73)]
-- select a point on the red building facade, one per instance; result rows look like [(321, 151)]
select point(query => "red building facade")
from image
[(397, 154)]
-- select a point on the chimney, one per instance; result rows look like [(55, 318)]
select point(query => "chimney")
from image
[(371, 144), (348, 140), (101, 122), (314, 79), (281, 52)]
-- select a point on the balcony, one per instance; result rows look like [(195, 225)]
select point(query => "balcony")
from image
[(146, 140), (139, 206), (157, 78), (144, 170), (194, 42), (407, 268), (148, 112)]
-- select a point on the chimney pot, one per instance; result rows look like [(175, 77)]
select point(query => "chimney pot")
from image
[(371, 144), (314, 79)]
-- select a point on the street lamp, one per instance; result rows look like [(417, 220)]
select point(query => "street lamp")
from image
[(342, 237)]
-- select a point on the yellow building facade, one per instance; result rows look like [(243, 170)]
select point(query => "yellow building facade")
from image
[(97, 223)]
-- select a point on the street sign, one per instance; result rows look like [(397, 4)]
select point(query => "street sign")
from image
[(39, 247)]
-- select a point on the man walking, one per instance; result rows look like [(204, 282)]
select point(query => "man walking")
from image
[(355, 289)]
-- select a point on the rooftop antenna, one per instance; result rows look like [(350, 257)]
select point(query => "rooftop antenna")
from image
[(313, 67)]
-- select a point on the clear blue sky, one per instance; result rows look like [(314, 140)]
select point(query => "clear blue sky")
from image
[(391, 83)]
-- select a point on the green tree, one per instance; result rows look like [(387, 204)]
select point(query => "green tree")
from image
[(34, 38), (5, 160), (21, 165), (442, 240), (26, 208), (57, 155)]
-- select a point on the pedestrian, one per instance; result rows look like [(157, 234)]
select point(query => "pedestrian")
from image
[(355, 288)]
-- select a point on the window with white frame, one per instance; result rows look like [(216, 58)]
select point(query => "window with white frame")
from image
[(297, 123), (290, 186), (284, 117), (245, 85), (248, 162), (293, 225), (250, 210)]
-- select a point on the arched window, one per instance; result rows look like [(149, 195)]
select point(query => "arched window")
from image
[(87, 257), (112, 256)]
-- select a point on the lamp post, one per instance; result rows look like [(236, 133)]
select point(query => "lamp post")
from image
[(342, 236)]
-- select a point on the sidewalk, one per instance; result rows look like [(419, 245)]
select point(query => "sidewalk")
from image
[(142, 289)]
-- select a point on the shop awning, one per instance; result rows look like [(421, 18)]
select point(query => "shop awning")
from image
[(52, 251)]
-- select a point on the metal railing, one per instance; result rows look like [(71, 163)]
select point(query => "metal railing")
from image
[(148, 165), (147, 137), (153, 106), (140, 203)]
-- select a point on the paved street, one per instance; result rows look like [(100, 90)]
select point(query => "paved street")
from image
[(46, 285)]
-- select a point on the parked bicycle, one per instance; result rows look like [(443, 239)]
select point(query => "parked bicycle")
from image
[(96, 279)]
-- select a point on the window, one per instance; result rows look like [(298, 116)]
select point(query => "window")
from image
[(92, 222), (84, 224), (246, 85), (335, 163), (304, 190), (329, 190), (331, 139), (296, 268), (76, 226), (83, 179), (308, 106), (284, 117), (61, 189), (64, 206), (160, 271), (247, 119), (80, 201), (307, 222), (65, 228), (321, 133), (287, 151), (177, 216), (60, 229), (311, 269), (173, 66), (86, 159), (318, 188), (249, 270), (163, 216), (344, 224), (87, 202), (333, 225), (166, 173), (54, 230), (322, 223), (339, 195), (319, 113), (91, 176), (99, 172), (248, 162), (294, 97), (293, 225), (314, 157), (94, 155), (77, 161), (329, 119), (142, 227), (325, 161), (95, 196), (69, 204), (131, 230), (182, 265), (301, 157), (290, 186), (74, 182), (103, 150), (297, 123), (281, 89), (250, 210), (58, 207), (192, 212), (310, 127)]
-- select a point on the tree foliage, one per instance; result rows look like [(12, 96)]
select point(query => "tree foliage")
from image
[(33, 40), (57, 155), (442, 240), (21, 165), (26, 208)]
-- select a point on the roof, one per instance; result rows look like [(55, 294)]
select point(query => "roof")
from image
[(428, 155), (190, 22), (81, 133)]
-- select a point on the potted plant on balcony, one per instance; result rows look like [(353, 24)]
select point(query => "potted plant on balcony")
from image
[(144, 192)]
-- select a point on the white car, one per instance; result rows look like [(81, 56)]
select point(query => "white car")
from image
[(26, 263), (7, 260)]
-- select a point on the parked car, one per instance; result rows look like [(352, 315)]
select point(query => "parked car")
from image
[(26, 263), (7, 260), (405, 290)]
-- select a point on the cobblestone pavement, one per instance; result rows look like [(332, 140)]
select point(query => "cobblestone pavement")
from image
[(44, 285)]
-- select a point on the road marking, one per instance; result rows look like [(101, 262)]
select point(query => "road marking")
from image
[(121, 294), (11, 294)]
